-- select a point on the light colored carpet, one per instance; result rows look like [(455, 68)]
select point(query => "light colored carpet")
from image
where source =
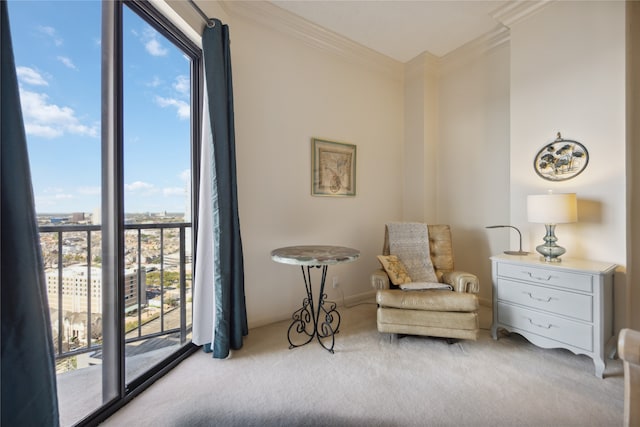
[(371, 381)]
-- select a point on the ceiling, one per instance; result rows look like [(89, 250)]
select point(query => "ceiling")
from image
[(402, 29)]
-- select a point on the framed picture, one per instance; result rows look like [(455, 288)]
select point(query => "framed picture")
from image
[(561, 159), (333, 168)]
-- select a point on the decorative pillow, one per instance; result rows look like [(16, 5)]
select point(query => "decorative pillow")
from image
[(395, 269), (421, 286)]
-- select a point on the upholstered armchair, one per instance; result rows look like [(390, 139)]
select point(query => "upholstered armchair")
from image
[(629, 351), (447, 313)]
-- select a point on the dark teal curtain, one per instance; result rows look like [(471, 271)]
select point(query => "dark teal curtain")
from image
[(230, 310), (28, 366)]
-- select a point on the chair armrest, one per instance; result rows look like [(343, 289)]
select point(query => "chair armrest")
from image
[(629, 346), (380, 280), (462, 281)]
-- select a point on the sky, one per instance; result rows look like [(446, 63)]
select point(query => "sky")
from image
[(57, 51)]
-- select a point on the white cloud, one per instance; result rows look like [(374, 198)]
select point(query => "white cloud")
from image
[(174, 191), (51, 196), (138, 186), (89, 191), (51, 32), (67, 62), (79, 129), (181, 85), (154, 47), (30, 76), (41, 118), (155, 82), (149, 38), (42, 131), (53, 190), (183, 108), (185, 175)]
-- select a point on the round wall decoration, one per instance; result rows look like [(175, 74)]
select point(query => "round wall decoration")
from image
[(561, 159)]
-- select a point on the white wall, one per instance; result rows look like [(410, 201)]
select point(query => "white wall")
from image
[(420, 139), (447, 140), (286, 92), (473, 155), (568, 75)]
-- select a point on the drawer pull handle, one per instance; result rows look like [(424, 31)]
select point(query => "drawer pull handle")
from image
[(540, 326), (546, 279), (548, 299)]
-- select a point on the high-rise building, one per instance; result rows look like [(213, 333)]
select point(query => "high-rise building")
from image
[(81, 284)]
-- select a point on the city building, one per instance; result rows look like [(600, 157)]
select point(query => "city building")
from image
[(82, 288)]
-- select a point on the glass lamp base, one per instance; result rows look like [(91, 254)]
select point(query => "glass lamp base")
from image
[(549, 250)]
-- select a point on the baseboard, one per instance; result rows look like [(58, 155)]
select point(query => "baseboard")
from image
[(369, 296)]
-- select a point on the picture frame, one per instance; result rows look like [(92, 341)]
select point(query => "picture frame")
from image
[(333, 168), (561, 160)]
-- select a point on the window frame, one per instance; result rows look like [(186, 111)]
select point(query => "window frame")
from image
[(115, 391)]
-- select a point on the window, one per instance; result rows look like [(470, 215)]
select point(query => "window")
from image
[(144, 277)]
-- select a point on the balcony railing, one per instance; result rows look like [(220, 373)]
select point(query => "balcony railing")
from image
[(61, 251)]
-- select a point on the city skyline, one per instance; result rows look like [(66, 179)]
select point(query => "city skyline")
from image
[(57, 53)]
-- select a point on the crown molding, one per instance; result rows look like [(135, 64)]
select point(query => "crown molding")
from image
[(281, 20), (515, 11), (475, 48)]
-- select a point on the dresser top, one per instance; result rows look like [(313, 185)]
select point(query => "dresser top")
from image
[(566, 263)]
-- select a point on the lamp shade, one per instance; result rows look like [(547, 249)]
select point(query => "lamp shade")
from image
[(552, 208)]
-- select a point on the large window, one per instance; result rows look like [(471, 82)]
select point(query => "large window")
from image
[(109, 95), (157, 189)]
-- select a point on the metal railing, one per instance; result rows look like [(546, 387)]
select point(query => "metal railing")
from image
[(85, 233)]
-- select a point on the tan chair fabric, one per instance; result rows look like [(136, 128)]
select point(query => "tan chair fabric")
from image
[(431, 300), (438, 313)]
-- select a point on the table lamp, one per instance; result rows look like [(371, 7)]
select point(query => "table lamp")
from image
[(551, 209)]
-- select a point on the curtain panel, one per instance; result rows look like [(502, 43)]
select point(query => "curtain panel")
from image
[(28, 373), (219, 308)]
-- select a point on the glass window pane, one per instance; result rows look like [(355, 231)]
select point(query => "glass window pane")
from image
[(157, 190)]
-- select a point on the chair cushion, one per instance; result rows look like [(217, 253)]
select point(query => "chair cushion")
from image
[(395, 269), (417, 322), (422, 286), (430, 300)]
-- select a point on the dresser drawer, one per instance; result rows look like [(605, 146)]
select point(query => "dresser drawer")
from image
[(562, 330), (579, 306), (547, 276)]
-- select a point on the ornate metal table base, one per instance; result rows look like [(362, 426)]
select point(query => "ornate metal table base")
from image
[(322, 323)]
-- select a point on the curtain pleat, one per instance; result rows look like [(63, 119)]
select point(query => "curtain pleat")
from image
[(205, 272), (28, 372), (221, 223)]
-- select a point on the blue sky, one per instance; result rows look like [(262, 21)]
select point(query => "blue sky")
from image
[(57, 51)]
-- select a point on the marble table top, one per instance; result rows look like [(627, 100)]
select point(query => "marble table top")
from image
[(314, 255)]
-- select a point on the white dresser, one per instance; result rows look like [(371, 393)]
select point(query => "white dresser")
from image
[(567, 304)]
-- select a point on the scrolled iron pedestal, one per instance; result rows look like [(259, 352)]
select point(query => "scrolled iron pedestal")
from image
[(323, 321)]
